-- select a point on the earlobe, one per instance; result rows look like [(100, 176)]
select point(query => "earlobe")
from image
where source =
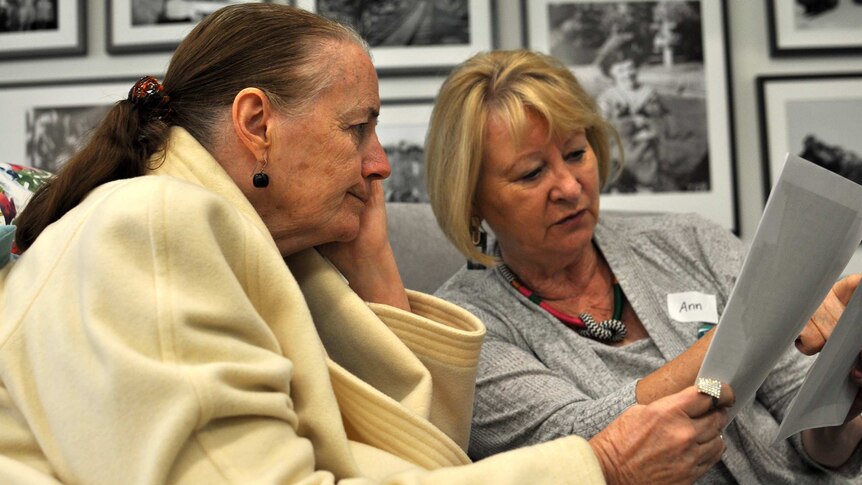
[(252, 114), (474, 211)]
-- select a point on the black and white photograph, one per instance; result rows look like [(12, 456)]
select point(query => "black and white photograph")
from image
[(43, 124), (815, 117), (648, 65), (814, 27), (27, 15), (402, 129), (645, 63), (400, 23), (153, 12), (55, 134), (30, 28), (158, 25), (415, 35)]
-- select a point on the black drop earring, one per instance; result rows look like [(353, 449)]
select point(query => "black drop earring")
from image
[(260, 179)]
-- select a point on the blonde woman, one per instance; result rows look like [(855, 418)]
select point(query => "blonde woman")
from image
[(574, 299)]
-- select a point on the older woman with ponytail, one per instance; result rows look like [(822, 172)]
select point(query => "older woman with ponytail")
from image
[(206, 294)]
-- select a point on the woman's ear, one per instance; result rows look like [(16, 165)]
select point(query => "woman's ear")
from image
[(474, 211), (252, 120)]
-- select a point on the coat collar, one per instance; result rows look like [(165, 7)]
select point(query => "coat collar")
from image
[(185, 158)]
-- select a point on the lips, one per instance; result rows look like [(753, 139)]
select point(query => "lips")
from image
[(570, 217)]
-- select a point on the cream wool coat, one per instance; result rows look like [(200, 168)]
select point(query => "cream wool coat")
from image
[(155, 335)]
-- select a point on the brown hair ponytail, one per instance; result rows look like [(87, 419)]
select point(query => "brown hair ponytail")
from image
[(118, 149)]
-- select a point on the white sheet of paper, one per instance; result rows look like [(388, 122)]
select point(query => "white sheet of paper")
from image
[(827, 393), (809, 229)]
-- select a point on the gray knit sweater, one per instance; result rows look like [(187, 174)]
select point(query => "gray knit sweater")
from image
[(539, 380)]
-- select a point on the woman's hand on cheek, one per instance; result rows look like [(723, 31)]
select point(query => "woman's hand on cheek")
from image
[(367, 261), (370, 242), (820, 325)]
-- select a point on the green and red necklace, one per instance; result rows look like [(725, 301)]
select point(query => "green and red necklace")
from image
[(610, 330)]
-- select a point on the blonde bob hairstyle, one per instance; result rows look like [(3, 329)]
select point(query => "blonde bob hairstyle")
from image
[(507, 84)]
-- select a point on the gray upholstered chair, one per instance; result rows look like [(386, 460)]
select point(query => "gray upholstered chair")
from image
[(426, 259)]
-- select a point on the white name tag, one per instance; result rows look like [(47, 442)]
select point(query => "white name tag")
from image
[(692, 306)]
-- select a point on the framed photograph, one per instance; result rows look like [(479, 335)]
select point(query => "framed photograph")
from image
[(134, 26), (659, 72), (37, 28), (813, 116), (814, 27), (401, 130), (44, 124), (413, 36), (817, 118)]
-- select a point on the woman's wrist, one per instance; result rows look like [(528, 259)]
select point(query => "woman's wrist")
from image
[(832, 446), (375, 279)]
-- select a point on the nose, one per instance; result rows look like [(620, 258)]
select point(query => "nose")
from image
[(375, 164), (566, 183)]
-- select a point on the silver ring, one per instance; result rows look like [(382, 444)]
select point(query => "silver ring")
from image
[(710, 387)]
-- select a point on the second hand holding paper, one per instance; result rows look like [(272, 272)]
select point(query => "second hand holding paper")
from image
[(827, 393), (810, 228)]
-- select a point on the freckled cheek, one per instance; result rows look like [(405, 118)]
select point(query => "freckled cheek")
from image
[(337, 159)]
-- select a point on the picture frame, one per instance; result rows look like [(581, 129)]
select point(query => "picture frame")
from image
[(133, 28), (814, 116), (814, 27), (434, 50), (671, 58), (428, 40), (44, 123), (52, 28), (401, 130)]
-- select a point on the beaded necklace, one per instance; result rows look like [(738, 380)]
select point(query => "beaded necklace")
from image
[(610, 330)]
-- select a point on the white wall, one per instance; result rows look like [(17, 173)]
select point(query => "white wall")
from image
[(749, 58)]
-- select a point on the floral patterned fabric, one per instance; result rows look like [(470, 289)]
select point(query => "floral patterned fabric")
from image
[(17, 184), (7, 242)]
